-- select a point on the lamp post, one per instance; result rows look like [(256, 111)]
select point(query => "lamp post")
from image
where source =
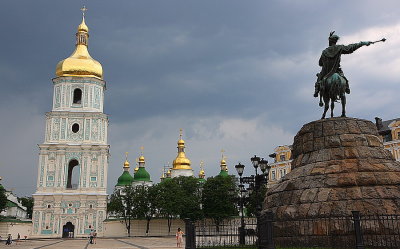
[(240, 168)]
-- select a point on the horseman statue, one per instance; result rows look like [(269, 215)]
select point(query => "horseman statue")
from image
[(331, 84)]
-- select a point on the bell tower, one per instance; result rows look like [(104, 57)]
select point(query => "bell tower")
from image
[(70, 198)]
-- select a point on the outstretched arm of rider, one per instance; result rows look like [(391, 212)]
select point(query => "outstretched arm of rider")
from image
[(348, 49)]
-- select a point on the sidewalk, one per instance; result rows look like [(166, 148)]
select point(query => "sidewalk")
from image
[(101, 243)]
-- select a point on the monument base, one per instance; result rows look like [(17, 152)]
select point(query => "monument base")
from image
[(339, 165)]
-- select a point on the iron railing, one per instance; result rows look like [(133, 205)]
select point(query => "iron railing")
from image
[(353, 231)]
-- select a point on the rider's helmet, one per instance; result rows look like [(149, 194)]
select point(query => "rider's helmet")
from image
[(333, 38)]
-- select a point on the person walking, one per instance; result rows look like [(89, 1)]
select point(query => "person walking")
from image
[(94, 236), (179, 237), (91, 237), (18, 238), (9, 239)]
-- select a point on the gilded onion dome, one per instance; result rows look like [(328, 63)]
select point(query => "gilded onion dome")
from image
[(224, 167), (80, 63), (202, 174), (181, 161)]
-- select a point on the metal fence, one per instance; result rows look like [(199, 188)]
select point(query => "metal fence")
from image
[(355, 231), (226, 234)]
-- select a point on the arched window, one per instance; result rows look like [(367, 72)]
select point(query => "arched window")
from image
[(73, 174), (75, 128), (77, 96)]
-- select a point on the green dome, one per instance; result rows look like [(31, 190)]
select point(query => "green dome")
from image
[(223, 173), (125, 179), (141, 175), (202, 180)]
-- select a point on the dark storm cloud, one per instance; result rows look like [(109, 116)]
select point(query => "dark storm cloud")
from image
[(206, 66)]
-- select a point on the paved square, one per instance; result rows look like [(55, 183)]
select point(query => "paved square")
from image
[(101, 243)]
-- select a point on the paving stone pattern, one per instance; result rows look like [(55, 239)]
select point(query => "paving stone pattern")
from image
[(339, 165)]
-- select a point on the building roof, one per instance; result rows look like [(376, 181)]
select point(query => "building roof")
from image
[(383, 126), (125, 179)]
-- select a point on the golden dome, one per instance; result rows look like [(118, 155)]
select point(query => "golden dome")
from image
[(80, 63), (181, 161), (136, 169), (83, 27), (202, 173), (126, 164), (141, 159)]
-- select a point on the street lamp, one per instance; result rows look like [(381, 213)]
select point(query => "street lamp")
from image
[(255, 160), (240, 168)]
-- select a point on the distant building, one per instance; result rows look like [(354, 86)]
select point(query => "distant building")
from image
[(14, 208), (390, 133), (282, 163)]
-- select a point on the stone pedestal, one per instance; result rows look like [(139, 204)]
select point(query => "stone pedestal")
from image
[(339, 165)]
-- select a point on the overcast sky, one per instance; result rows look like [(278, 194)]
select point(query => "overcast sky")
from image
[(234, 75)]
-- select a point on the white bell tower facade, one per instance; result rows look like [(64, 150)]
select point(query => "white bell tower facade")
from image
[(71, 199)]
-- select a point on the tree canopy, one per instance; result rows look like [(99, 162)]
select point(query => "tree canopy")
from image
[(219, 198)]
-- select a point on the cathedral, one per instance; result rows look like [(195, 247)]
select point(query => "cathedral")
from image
[(70, 198)]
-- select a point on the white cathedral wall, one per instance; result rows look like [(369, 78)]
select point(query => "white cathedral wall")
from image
[(181, 172)]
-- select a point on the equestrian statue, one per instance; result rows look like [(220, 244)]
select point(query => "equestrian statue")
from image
[(331, 83)]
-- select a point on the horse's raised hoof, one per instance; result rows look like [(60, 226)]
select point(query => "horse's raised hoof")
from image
[(315, 95), (347, 90), (321, 104)]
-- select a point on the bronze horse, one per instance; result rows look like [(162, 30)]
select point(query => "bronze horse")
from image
[(332, 89)]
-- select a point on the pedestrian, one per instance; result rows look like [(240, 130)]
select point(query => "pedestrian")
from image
[(94, 236), (179, 238), (91, 237), (9, 239), (18, 238)]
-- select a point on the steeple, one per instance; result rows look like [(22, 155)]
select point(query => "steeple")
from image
[(141, 175), (224, 167), (126, 178), (80, 63), (202, 174), (181, 161)]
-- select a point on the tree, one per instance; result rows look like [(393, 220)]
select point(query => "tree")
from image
[(168, 199), (218, 198), (179, 197), (256, 198), (121, 203), (189, 201), (144, 204), (3, 198), (28, 203)]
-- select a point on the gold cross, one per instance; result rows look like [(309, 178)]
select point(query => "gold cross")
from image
[(126, 156), (222, 152), (141, 150), (201, 164), (84, 9), (180, 133)]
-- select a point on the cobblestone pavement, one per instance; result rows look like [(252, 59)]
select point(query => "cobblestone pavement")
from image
[(101, 243)]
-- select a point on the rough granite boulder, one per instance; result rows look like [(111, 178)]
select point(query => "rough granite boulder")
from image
[(339, 165)]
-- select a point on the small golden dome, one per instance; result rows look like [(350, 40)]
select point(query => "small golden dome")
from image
[(80, 63), (83, 27), (126, 164), (136, 169), (181, 142), (141, 159)]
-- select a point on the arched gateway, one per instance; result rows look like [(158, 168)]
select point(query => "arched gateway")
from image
[(68, 230)]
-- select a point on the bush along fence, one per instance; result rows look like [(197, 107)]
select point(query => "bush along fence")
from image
[(354, 231)]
